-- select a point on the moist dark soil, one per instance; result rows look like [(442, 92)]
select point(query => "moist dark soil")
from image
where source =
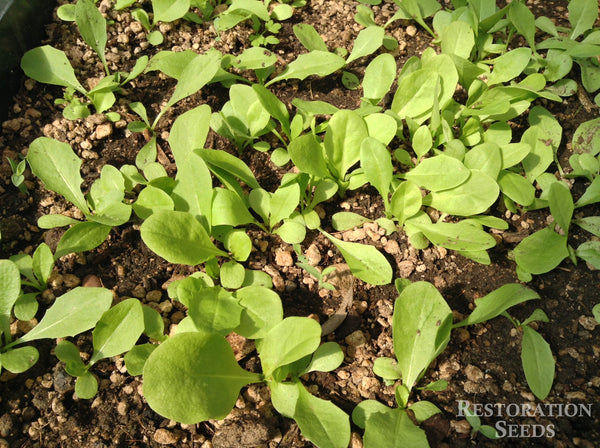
[(38, 408)]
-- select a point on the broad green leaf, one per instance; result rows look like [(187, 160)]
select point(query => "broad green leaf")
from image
[(193, 377), (588, 251), (58, 167), (229, 163), (559, 65), (232, 275), (367, 42), (53, 221), (457, 39), (582, 15), (424, 409), (586, 138), (383, 127), (393, 429), (19, 359), (284, 201), (387, 368), (524, 21), (229, 209), (320, 421), (342, 141), (591, 195), (50, 66), (150, 200), (406, 201), (516, 187), (509, 65), (257, 8), (254, 58), (439, 173), (327, 357), (590, 223), (82, 237), (72, 313), (86, 386), (422, 141), (365, 261), (238, 243), (472, 197), (68, 353), (178, 237), (136, 358), (171, 63), (347, 220), (376, 162), (214, 310), (169, 10), (486, 157), (365, 409), (561, 204), (288, 341), (262, 310), (108, 190), (308, 36), (307, 154), (26, 306), (118, 329), (154, 326), (498, 301), (189, 132), (43, 263), (513, 153), (196, 74), (379, 77), (92, 26), (538, 363), (273, 105), (10, 279), (459, 236), (316, 62), (596, 312), (541, 252), (421, 330), (415, 94)]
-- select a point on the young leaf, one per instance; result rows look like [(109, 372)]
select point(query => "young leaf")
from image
[(367, 42), (387, 368), (308, 36), (457, 39), (86, 386), (288, 341), (327, 357), (229, 209), (365, 262), (320, 421), (516, 187), (342, 141), (383, 127), (541, 252), (72, 313), (561, 204), (20, 359), (393, 429), (92, 26), (262, 310), (498, 301), (213, 310), (169, 10), (50, 66), (283, 202), (421, 330), (509, 65), (10, 279), (582, 15), (524, 21), (136, 358), (538, 363), (438, 173), (58, 167), (118, 329), (347, 220), (150, 200), (459, 236), (406, 201), (42, 263), (232, 275), (193, 377), (82, 237), (189, 132), (307, 154), (316, 62), (178, 237), (588, 251), (376, 162), (472, 197), (68, 353)]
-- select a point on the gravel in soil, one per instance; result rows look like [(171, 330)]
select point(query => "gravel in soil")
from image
[(39, 408)]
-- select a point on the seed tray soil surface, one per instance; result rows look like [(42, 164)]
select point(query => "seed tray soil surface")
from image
[(482, 363)]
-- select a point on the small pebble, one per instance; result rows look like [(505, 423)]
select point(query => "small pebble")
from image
[(165, 437)]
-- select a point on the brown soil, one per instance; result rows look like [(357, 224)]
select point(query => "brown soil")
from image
[(39, 409)]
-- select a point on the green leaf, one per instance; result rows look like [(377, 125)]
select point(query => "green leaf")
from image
[(150, 200), (365, 262), (347, 220), (582, 15), (320, 421), (72, 313), (118, 329), (58, 167), (308, 36), (307, 154), (229, 209), (498, 301), (376, 162), (387, 368), (238, 243), (472, 197), (20, 359), (82, 237), (92, 26), (316, 62), (178, 237), (26, 306), (52, 221), (589, 252), (43, 263), (538, 363), (86, 386), (283, 202), (68, 353), (50, 66), (288, 341), (586, 138), (596, 312), (136, 358), (189, 132), (367, 42), (541, 252), (393, 429), (459, 236), (327, 357), (457, 39), (254, 58), (485, 157), (561, 204), (262, 311), (524, 21), (421, 326), (342, 141), (438, 173), (232, 275), (292, 231), (229, 163), (194, 377), (169, 10), (516, 187), (509, 65), (406, 201), (254, 7), (379, 77), (590, 223), (10, 279), (382, 127), (214, 310)]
